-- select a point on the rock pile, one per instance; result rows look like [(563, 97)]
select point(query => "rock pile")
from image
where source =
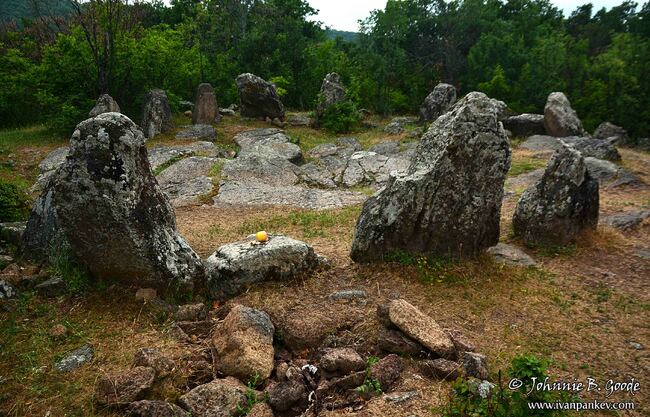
[(258, 98), (561, 205), (449, 199), (156, 115)]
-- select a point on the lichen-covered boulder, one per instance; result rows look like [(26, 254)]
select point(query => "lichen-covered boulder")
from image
[(258, 98), (156, 114), (561, 205), (560, 119), (437, 102), (236, 265), (331, 92), (114, 215), (104, 104), (206, 110), (244, 344), (448, 201)]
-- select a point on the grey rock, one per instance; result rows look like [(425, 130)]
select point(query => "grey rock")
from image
[(218, 398), (187, 180), (104, 104), (124, 388), (400, 397), (541, 143), (12, 232), (628, 220), (284, 395), (116, 218), (607, 130), (163, 155), (349, 142), (609, 174), (42, 229), (397, 125), (387, 148), (227, 112), (298, 120), (475, 364), (560, 119), (75, 359), (242, 193), (331, 92), (524, 180), (348, 295), (198, 132), (314, 175), (258, 98), (370, 168), (448, 200), (504, 253), (155, 408), (156, 114), (7, 291), (206, 110), (236, 265), (636, 345), (51, 287), (588, 147), (561, 205), (437, 102), (526, 124), (190, 192), (46, 168), (268, 143), (255, 169), (642, 253)]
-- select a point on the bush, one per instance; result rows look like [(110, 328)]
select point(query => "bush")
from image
[(14, 202), (341, 117), (476, 398)]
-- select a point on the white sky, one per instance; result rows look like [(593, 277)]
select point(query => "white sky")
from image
[(344, 14)]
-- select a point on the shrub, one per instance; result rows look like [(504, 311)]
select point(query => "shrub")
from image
[(477, 398), (14, 202), (341, 117)]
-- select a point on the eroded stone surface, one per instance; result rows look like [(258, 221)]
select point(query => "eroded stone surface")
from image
[(560, 119), (206, 110), (104, 104), (511, 255), (331, 92), (157, 115), (437, 102), (258, 98)]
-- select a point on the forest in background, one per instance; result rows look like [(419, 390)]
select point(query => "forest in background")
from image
[(55, 62)]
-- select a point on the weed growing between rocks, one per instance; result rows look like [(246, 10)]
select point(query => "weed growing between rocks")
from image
[(370, 385), (62, 263), (252, 397)]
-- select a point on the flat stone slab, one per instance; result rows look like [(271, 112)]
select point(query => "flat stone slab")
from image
[(509, 254), (160, 155), (626, 221), (269, 143), (609, 174), (197, 132)]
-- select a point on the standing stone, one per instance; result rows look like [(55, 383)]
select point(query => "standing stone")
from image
[(608, 130), (156, 116), (561, 205), (437, 102), (116, 218), (331, 92), (560, 119), (258, 98), (104, 104), (206, 110), (448, 201)]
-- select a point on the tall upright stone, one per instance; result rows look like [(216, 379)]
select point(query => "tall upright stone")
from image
[(112, 212), (560, 119), (156, 115), (437, 102), (258, 98), (206, 110), (448, 202), (331, 92), (104, 104), (561, 205)]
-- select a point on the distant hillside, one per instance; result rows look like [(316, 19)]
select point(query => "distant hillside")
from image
[(348, 36), (17, 10)]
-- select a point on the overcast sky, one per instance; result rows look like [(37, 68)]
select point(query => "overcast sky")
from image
[(344, 14)]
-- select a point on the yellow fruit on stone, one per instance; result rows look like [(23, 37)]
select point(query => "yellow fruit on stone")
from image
[(261, 236)]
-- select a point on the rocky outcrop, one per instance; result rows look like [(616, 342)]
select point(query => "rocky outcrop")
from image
[(437, 102), (607, 130), (112, 211), (331, 92), (104, 104), (525, 124), (268, 143), (188, 179), (206, 110), (560, 119), (561, 205), (448, 201), (244, 344), (156, 115), (258, 98), (235, 266)]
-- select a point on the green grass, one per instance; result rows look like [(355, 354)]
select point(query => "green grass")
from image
[(160, 168), (523, 165), (311, 223), (11, 139)]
